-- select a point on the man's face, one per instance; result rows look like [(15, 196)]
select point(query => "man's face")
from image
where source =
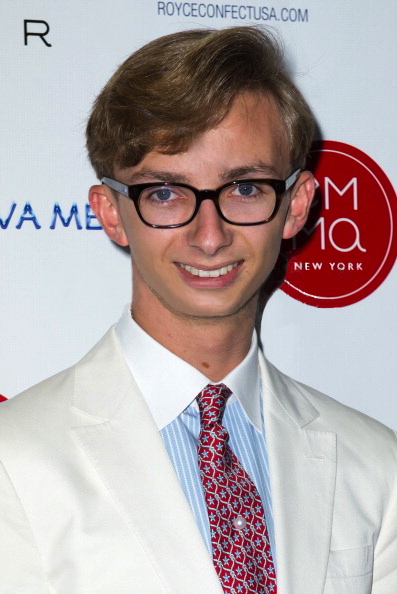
[(249, 143)]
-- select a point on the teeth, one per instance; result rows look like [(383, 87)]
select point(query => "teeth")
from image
[(209, 273)]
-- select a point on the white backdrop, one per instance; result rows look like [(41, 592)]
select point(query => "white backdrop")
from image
[(62, 287)]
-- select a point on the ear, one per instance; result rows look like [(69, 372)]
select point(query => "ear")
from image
[(301, 199), (105, 208)]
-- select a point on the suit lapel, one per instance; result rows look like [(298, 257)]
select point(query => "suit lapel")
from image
[(302, 465), (122, 442)]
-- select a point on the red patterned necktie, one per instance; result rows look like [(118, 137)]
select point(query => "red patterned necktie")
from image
[(240, 542)]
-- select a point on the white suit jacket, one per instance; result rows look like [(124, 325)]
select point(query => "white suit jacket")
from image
[(90, 502)]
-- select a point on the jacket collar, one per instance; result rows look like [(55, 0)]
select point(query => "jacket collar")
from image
[(290, 395)]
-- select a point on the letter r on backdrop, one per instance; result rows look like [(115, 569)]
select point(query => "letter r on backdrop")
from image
[(35, 31)]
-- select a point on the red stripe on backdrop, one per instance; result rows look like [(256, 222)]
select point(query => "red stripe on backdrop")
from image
[(2, 398)]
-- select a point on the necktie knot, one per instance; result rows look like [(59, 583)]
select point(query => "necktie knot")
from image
[(212, 401)]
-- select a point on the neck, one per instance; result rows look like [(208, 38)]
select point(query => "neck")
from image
[(214, 346)]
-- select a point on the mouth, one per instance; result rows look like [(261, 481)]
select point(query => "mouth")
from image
[(209, 273)]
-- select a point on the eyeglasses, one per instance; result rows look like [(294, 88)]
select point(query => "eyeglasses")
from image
[(166, 205)]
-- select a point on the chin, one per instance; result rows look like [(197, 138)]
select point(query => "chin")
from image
[(216, 311)]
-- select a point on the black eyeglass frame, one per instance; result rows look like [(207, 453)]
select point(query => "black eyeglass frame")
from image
[(280, 186)]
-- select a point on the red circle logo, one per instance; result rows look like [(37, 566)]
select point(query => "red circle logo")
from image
[(348, 245)]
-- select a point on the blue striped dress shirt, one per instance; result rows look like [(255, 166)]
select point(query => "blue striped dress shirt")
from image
[(170, 386)]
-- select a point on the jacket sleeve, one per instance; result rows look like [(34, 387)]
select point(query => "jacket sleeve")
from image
[(21, 570), (385, 561)]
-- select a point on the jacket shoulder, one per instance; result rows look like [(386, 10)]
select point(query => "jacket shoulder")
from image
[(314, 410), (50, 402)]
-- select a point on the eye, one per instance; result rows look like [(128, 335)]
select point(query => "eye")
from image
[(252, 190), (166, 196), (245, 189), (161, 194)]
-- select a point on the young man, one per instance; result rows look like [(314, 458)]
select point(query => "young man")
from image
[(118, 475)]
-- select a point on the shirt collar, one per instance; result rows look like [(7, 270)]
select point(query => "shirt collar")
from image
[(169, 384)]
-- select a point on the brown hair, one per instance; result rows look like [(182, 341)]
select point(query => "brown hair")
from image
[(183, 84)]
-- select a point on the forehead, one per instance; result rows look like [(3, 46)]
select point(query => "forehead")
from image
[(250, 134), (253, 125)]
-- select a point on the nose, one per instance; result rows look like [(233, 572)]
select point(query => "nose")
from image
[(208, 232)]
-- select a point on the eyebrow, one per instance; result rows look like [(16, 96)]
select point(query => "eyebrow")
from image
[(157, 176), (256, 168), (251, 169)]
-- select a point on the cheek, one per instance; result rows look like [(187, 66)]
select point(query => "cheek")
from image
[(266, 253), (266, 243), (147, 248), (142, 257)]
